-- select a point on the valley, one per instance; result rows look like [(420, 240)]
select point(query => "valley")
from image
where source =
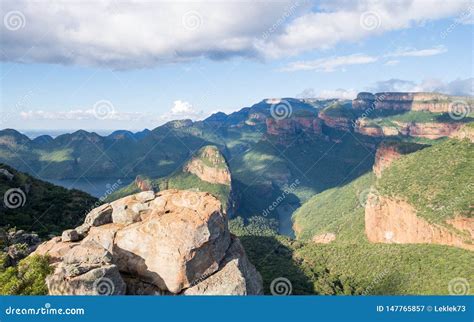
[(334, 193)]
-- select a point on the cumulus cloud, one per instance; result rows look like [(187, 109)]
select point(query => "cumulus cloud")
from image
[(351, 21), (330, 64), (140, 34), (462, 87), (182, 110)]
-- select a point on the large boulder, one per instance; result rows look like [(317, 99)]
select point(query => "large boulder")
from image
[(236, 276), (171, 242), (87, 269), (176, 246)]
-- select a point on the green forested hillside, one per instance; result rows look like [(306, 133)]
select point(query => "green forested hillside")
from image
[(40, 206), (437, 180)]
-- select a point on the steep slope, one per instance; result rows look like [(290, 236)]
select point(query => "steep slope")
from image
[(34, 205), (206, 171), (420, 197), (426, 197)]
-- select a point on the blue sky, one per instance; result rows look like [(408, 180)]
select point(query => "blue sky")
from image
[(78, 66)]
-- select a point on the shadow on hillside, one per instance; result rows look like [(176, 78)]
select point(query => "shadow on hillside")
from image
[(275, 262), (445, 117)]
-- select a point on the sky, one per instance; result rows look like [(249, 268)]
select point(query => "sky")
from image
[(135, 64)]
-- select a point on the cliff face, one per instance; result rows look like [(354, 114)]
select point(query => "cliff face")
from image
[(172, 242), (340, 123), (421, 130), (389, 220), (432, 102), (209, 165), (384, 157), (293, 125)]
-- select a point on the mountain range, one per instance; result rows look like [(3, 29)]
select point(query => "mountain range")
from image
[(379, 187)]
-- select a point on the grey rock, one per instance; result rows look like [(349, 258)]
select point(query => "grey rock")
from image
[(70, 235), (236, 276), (99, 216)]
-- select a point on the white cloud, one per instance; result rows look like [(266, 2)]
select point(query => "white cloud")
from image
[(182, 110), (330, 64), (140, 34), (407, 52), (80, 114), (181, 107), (463, 87), (338, 93), (352, 21), (179, 110)]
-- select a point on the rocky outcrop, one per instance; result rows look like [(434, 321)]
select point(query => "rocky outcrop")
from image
[(336, 122), (236, 276), (293, 125), (429, 130), (390, 151), (384, 156), (389, 220), (210, 166), (171, 242), (431, 102), (143, 184)]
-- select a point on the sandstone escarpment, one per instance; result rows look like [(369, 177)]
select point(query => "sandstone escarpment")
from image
[(171, 242), (390, 151), (337, 122), (389, 220), (293, 125), (210, 166), (384, 157), (429, 130)]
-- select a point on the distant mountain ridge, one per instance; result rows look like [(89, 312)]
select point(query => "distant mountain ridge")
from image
[(322, 143)]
